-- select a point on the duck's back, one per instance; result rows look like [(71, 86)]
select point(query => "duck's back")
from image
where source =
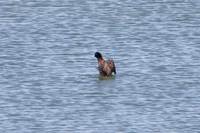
[(107, 68)]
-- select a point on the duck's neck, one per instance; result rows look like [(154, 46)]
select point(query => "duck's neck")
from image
[(101, 61)]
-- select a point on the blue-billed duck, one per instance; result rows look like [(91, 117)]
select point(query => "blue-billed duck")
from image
[(105, 67)]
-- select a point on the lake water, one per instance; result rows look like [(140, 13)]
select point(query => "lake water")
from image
[(48, 76)]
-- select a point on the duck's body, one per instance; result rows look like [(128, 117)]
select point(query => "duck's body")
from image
[(105, 67)]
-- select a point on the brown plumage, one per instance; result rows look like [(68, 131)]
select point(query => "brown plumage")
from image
[(106, 68)]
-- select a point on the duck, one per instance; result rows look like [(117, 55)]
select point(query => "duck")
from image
[(106, 67)]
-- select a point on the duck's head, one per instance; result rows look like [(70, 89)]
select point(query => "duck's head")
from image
[(98, 55)]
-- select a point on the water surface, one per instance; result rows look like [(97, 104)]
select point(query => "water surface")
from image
[(48, 77)]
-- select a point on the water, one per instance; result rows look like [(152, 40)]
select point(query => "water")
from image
[(48, 76)]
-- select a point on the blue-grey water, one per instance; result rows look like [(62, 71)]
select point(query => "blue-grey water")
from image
[(48, 77)]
